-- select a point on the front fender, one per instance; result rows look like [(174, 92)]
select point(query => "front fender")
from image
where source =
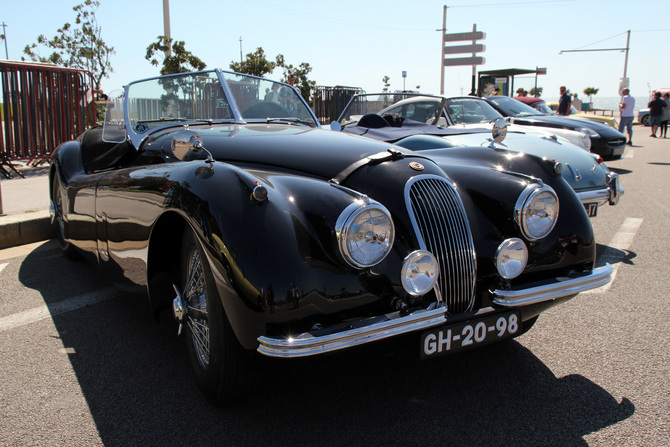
[(68, 160), (274, 261)]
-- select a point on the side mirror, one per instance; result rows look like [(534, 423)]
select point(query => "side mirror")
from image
[(186, 145), (499, 131), (337, 127)]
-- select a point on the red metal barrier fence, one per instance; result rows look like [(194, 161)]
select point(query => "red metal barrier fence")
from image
[(42, 106)]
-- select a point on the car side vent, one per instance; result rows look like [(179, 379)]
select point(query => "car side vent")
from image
[(439, 220)]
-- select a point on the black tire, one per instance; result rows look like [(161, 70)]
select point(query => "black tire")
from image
[(218, 362), (59, 222), (646, 120)]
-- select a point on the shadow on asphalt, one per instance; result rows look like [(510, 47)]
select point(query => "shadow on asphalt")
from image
[(137, 383), (620, 171)]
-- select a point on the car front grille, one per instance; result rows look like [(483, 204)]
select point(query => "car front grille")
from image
[(442, 227), (617, 142)]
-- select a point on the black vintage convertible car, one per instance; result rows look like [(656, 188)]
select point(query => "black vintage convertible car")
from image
[(265, 234)]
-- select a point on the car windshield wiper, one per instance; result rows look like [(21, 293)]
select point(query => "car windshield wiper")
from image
[(176, 119), (290, 120)]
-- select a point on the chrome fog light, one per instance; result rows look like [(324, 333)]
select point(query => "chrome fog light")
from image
[(511, 258), (419, 272)]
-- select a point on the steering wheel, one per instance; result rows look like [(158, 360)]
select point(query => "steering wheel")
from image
[(373, 121)]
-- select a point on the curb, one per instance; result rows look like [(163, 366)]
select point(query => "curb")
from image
[(26, 228)]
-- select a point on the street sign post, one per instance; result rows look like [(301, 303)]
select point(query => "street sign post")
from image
[(473, 60), (457, 49), (472, 48)]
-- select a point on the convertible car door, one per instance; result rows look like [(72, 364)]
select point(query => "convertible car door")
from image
[(128, 202)]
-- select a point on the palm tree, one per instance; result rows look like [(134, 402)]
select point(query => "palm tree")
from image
[(589, 91)]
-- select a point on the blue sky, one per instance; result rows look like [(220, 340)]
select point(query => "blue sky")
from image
[(357, 43)]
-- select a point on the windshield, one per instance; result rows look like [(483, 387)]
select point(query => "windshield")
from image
[(262, 99), (156, 102), (192, 98), (512, 107), (542, 107), (470, 111), (423, 109)]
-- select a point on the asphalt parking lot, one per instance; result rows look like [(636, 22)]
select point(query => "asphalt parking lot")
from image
[(84, 364)]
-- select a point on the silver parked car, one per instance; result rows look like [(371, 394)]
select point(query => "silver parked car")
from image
[(426, 122)]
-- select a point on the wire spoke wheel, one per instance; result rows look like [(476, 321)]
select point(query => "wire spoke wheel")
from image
[(59, 220), (195, 295), (218, 361)]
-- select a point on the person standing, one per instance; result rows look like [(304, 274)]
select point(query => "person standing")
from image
[(564, 103), (666, 115), (656, 107), (577, 102), (627, 107)]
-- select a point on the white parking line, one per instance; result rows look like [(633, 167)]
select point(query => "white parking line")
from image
[(2, 266), (616, 249), (47, 311)]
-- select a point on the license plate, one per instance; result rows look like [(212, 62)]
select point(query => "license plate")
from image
[(618, 151), (591, 209), (469, 334)]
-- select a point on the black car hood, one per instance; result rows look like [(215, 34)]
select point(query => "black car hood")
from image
[(318, 152)]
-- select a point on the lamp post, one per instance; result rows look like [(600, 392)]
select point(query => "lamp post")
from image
[(166, 25), (624, 80)]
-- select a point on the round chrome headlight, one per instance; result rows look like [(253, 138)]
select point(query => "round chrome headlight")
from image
[(585, 141), (419, 272), (587, 131), (511, 258), (536, 211), (365, 233)]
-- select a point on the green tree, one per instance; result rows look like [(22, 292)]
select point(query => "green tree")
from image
[(300, 73), (536, 92), (386, 80), (79, 46), (255, 64), (590, 91), (175, 57)]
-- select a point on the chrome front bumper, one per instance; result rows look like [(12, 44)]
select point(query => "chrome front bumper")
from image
[(393, 324), (558, 288), (611, 194)]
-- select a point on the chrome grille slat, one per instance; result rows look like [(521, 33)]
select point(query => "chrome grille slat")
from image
[(616, 142), (439, 220)]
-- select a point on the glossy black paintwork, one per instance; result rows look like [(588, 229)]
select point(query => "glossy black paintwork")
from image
[(276, 263), (607, 140)]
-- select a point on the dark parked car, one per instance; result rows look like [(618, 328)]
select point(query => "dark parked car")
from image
[(266, 234), (465, 121), (605, 141)]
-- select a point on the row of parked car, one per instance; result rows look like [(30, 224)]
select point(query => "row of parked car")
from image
[(261, 233), (467, 121)]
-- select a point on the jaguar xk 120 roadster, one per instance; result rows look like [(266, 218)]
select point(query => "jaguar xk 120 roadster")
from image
[(218, 196)]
